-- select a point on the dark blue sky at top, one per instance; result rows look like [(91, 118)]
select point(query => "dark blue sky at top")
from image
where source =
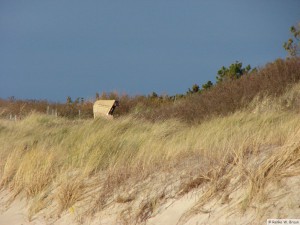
[(57, 48)]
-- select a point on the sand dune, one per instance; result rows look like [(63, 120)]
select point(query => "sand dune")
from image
[(283, 201)]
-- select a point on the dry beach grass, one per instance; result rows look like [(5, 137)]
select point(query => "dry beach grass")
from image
[(228, 154), (133, 167)]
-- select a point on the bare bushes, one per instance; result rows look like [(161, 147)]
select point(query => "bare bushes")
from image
[(227, 97), (222, 99)]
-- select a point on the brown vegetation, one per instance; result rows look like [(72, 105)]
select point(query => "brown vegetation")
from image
[(227, 97), (221, 99)]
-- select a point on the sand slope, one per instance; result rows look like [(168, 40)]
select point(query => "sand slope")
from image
[(282, 201)]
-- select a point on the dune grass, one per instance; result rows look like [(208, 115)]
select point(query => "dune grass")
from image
[(60, 162)]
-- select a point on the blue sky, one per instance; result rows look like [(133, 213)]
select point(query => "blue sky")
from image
[(58, 48)]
